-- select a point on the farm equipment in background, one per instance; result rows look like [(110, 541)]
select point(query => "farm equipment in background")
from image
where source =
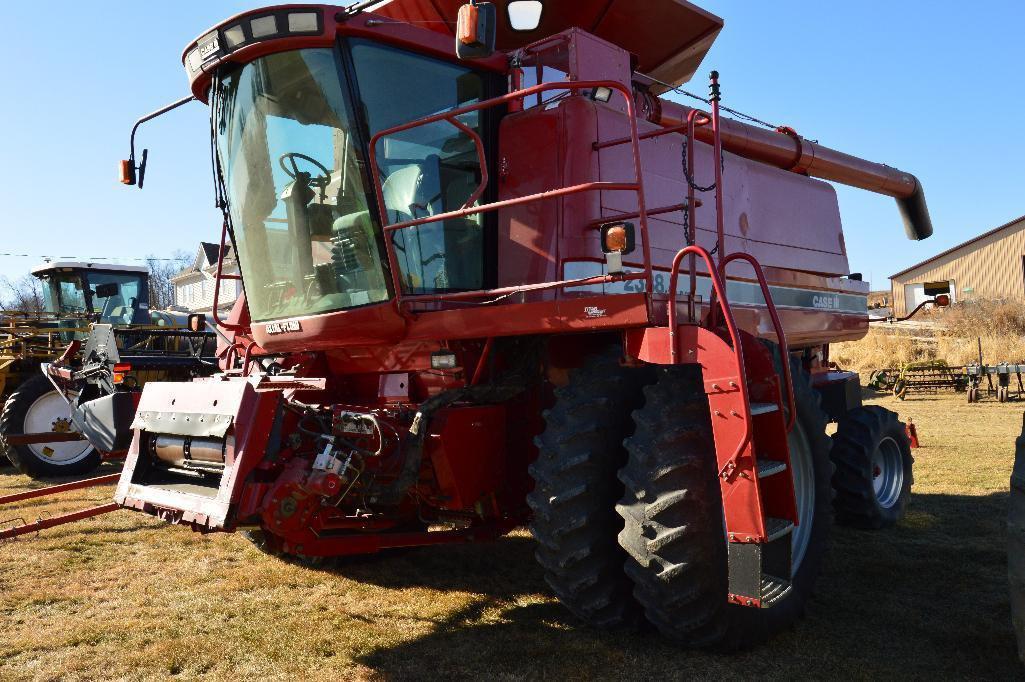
[(485, 293), (1007, 386), (42, 430), (925, 376)]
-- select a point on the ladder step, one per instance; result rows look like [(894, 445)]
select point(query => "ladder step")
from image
[(773, 589), (763, 408), (769, 467), (777, 528)]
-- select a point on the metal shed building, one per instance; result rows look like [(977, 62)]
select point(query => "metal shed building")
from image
[(990, 266)]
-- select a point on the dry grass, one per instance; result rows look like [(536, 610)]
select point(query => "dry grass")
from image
[(124, 596), (953, 335)]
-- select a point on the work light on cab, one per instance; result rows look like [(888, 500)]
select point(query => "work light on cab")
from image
[(253, 29)]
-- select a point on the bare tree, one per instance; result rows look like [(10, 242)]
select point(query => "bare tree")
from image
[(161, 289), (24, 294)]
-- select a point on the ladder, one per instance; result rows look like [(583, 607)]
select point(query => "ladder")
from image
[(752, 410)]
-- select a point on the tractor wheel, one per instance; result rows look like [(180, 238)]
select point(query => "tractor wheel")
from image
[(576, 490), (37, 407), (672, 509), (873, 474), (1016, 544)]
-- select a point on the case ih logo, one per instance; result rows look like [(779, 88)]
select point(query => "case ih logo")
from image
[(594, 311), (284, 327), (826, 302)]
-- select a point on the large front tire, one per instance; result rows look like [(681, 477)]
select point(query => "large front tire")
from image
[(1016, 544), (576, 490), (36, 407), (672, 509), (873, 474)]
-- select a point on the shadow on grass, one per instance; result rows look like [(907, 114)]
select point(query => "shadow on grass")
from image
[(928, 598)]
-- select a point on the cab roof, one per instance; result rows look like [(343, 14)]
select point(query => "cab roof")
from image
[(45, 268), (668, 37)]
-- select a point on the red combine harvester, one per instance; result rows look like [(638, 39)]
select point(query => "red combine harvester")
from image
[(509, 284)]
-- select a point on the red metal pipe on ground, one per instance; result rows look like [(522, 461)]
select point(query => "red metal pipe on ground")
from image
[(61, 488), (43, 524)]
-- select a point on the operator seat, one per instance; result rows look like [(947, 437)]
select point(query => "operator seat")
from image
[(414, 191)]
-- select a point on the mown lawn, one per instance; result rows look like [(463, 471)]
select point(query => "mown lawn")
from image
[(124, 596)]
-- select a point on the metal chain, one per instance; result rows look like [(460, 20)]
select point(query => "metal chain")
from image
[(690, 178)]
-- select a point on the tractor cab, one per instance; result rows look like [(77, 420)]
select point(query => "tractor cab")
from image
[(107, 293)]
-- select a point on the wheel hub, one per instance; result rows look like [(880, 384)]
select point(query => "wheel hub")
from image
[(887, 473)]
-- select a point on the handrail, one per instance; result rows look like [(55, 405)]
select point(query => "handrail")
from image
[(731, 325), (517, 95), (784, 348), (218, 276)]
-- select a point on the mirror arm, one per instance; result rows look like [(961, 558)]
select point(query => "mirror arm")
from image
[(141, 168)]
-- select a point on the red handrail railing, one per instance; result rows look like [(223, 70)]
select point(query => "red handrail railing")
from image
[(218, 277), (450, 117), (784, 348), (731, 326)]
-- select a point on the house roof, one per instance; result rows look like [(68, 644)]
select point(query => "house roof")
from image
[(206, 256), (959, 246), (210, 251)]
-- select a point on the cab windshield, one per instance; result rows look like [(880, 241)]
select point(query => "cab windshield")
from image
[(107, 297), (292, 133)]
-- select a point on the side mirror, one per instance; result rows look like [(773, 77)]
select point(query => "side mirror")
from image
[(476, 30), (941, 301), (197, 322), (132, 174)]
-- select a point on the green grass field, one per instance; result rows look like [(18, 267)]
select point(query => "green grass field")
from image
[(124, 596)]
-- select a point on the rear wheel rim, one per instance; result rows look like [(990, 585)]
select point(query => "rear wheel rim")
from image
[(50, 413), (803, 471), (887, 473)]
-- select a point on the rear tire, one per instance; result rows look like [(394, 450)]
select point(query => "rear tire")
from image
[(672, 510), (576, 490), (1016, 544), (874, 473), (36, 407)]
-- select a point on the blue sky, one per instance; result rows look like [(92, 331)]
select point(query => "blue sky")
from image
[(931, 87)]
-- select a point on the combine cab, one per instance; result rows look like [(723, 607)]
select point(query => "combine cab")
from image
[(522, 288)]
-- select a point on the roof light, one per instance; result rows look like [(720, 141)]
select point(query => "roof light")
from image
[(601, 94), (234, 36), (302, 22), (524, 15), (237, 35), (263, 27)]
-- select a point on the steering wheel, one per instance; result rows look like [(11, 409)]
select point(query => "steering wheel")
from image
[(321, 182)]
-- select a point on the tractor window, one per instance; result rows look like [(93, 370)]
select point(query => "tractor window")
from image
[(116, 298), (71, 295), (294, 174), (426, 170)]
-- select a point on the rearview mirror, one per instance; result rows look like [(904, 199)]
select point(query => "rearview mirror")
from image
[(107, 290), (476, 30)]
